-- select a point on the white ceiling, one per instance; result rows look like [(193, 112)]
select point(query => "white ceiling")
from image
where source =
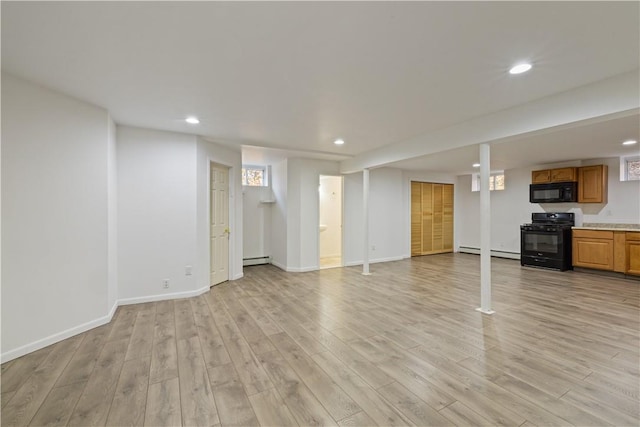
[(296, 75)]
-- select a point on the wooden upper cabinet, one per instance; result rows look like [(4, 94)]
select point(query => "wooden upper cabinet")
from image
[(554, 175), (592, 184), (564, 175), (540, 177)]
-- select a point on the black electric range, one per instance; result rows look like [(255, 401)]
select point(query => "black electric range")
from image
[(546, 242)]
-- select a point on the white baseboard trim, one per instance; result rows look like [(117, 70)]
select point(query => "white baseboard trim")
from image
[(238, 276), (494, 252), (375, 261), (277, 264), (163, 297), (301, 269), (54, 338), (256, 261)]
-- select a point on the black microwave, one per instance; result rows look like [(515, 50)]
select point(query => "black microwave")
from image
[(553, 192)]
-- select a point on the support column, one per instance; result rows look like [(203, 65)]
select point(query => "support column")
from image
[(485, 231), (365, 221)]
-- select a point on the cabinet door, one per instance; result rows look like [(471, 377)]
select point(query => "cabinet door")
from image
[(563, 175), (633, 258), (593, 253), (540, 177), (592, 184), (632, 255), (619, 251)]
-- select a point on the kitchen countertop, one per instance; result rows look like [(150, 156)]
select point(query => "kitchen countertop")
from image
[(608, 227)]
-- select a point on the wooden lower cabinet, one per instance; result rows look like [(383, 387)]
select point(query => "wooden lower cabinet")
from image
[(593, 249), (632, 253), (607, 250), (431, 218), (619, 239)]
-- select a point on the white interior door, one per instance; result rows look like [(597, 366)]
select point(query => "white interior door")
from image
[(219, 224)]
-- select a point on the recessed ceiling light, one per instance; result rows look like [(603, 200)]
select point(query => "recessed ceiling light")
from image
[(339, 141), (476, 165), (520, 68), (630, 142), (192, 120)]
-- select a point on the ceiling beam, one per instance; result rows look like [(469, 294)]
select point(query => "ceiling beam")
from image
[(616, 96)]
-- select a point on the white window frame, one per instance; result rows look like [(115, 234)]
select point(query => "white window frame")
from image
[(475, 181), (624, 167), (265, 175)]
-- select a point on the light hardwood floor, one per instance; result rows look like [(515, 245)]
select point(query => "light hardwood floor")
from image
[(404, 346)]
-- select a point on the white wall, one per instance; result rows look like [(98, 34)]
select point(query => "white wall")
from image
[(208, 152), (352, 224), (511, 208), (295, 217), (279, 214), (330, 193), (55, 181), (256, 228), (303, 178), (623, 203), (156, 212), (112, 217), (387, 215)]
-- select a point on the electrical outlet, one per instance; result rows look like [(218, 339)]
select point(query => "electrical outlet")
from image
[(165, 283), (188, 270)]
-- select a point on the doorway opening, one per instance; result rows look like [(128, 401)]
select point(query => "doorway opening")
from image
[(219, 224), (330, 216)]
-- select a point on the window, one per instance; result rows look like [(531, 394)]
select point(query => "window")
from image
[(630, 168), (496, 181), (254, 176)]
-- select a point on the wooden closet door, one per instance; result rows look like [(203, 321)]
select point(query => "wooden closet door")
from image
[(447, 217), (431, 218), (427, 218), (416, 218), (437, 237)]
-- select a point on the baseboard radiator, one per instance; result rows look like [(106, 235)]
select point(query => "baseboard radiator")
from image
[(494, 253), (256, 261)]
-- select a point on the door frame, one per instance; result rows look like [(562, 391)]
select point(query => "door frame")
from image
[(341, 218), (232, 226)]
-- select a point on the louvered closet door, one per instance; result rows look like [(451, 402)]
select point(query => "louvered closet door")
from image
[(431, 218), (416, 218), (427, 218), (447, 218)]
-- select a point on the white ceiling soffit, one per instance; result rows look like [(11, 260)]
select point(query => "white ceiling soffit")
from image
[(589, 140), (252, 155), (297, 75), (619, 95)]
